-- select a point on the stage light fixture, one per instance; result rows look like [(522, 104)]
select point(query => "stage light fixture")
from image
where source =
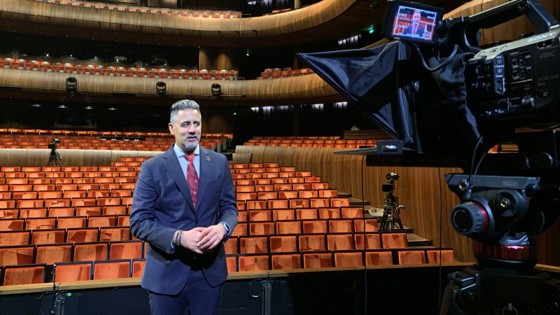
[(161, 88), (72, 85), (216, 89)]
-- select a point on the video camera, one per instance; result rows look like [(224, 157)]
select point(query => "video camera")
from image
[(54, 143), (514, 84), (479, 98), (446, 101)]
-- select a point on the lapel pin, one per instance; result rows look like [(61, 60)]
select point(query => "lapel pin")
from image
[(208, 158)]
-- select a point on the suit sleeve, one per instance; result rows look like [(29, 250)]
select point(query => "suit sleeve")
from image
[(228, 205), (142, 218)]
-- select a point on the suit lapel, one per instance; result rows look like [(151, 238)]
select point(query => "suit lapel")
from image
[(176, 173)]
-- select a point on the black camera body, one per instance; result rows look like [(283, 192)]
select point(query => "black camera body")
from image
[(54, 143), (514, 84), (517, 83), (446, 101)]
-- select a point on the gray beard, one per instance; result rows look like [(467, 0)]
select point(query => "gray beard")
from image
[(191, 146)]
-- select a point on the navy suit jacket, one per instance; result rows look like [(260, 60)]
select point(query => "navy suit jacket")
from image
[(419, 30), (162, 204)]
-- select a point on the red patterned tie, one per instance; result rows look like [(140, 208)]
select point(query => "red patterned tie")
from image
[(192, 178)]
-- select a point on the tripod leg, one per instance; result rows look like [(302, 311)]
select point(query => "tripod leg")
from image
[(397, 218), (384, 219)]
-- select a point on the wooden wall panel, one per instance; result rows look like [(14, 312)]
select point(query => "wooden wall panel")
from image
[(216, 58), (510, 30)]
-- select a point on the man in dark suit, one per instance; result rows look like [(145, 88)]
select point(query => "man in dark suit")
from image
[(415, 28), (185, 263)]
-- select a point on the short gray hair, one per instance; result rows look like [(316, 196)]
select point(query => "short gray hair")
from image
[(183, 104)]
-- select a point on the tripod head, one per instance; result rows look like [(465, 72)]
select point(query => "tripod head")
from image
[(514, 199), (54, 143)]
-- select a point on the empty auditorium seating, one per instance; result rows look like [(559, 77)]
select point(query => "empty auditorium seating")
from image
[(56, 66), (98, 140), (310, 141), (276, 73), (148, 10), (283, 225)]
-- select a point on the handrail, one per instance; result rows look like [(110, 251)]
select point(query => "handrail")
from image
[(127, 282)]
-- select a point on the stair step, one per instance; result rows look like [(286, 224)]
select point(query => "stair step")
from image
[(414, 240), (355, 202)]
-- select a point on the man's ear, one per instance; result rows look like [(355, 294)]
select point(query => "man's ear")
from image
[(170, 125)]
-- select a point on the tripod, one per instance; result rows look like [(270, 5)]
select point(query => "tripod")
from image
[(503, 213), (391, 209), (497, 286), (54, 158)]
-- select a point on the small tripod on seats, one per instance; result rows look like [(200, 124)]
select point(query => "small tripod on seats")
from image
[(54, 157), (391, 209)]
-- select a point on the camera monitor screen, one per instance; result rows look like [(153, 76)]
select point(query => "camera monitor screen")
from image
[(411, 21)]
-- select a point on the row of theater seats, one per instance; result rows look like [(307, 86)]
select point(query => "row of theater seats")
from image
[(104, 142), (277, 73), (288, 219), (117, 71), (97, 133), (127, 268), (317, 142), (140, 9), (111, 135)]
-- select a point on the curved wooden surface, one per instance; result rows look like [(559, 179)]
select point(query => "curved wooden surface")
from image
[(508, 31), (320, 20), (307, 89), (303, 89), (327, 18)]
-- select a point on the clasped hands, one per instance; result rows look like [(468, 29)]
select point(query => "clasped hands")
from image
[(202, 240)]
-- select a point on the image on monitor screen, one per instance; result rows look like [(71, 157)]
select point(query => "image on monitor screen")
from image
[(414, 23)]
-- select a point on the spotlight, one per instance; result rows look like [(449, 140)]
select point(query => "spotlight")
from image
[(72, 85), (216, 89), (161, 87)]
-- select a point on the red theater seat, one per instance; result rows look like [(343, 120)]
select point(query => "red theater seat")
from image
[(14, 275)]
